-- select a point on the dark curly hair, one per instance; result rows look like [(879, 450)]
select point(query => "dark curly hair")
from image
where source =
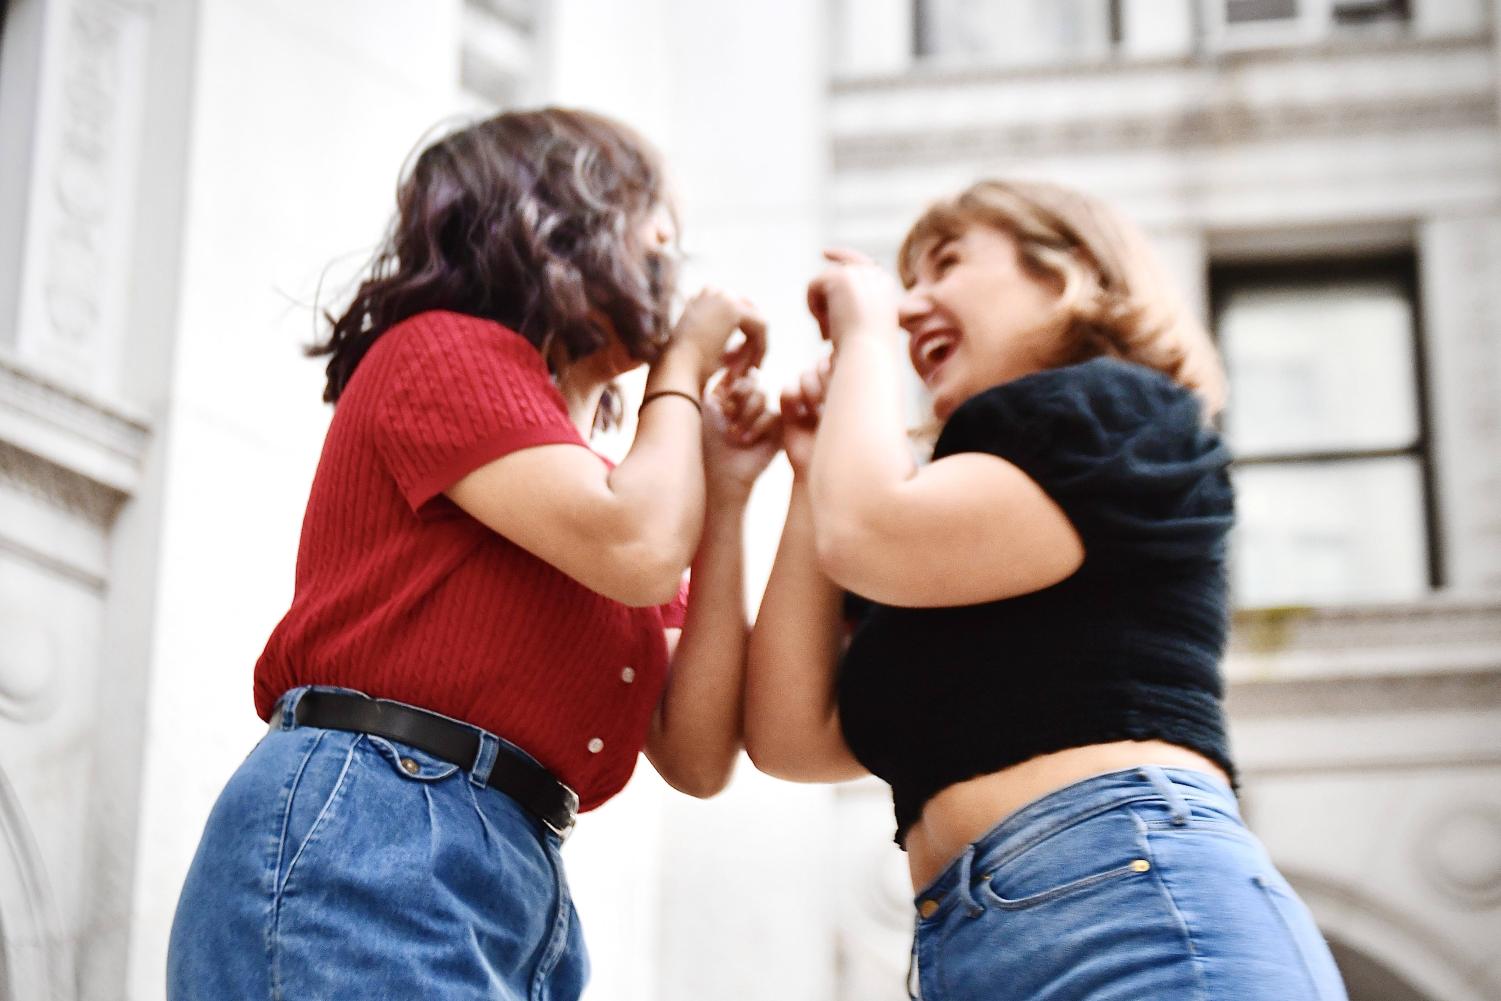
[(529, 218)]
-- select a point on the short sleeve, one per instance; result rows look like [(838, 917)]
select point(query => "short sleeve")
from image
[(1121, 448), (459, 392), (676, 610)]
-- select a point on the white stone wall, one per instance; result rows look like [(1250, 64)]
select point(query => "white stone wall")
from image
[(300, 116), (686, 899), (192, 166)]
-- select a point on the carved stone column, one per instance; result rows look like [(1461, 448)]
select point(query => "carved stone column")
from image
[(67, 462), (75, 263)]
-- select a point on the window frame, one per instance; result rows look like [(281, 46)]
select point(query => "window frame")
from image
[(1400, 268)]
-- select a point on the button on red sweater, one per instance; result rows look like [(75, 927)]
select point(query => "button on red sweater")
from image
[(402, 595)]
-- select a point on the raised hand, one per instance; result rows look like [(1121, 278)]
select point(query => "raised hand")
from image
[(853, 294), (802, 404), (708, 322), (741, 436)]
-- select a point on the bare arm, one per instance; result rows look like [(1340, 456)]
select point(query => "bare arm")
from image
[(791, 715), (695, 736), (627, 533), (964, 529)]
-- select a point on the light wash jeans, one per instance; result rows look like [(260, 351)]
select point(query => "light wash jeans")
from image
[(1139, 885), (330, 870)]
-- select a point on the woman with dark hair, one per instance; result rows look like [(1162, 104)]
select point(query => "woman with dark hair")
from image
[(485, 610), (1041, 612)]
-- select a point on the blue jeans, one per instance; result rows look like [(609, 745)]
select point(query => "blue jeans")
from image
[(1139, 884), (340, 865)]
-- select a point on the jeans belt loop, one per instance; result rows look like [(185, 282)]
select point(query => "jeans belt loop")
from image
[(1164, 786), (479, 774), (964, 883)]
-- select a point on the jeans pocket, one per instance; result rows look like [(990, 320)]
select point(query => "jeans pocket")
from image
[(1294, 917), (1081, 856), (407, 762), (317, 787)]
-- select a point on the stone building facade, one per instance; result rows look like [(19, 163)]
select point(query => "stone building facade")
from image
[(180, 178)]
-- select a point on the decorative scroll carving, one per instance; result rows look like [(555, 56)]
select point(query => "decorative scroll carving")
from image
[(1461, 854), (29, 678), (81, 173), (37, 961)]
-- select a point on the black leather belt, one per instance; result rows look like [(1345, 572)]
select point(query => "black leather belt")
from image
[(529, 784)]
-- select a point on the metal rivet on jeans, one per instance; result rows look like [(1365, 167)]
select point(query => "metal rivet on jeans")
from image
[(1140, 865), (410, 767), (927, 908)]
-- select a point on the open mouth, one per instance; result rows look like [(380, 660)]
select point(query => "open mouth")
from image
[(929, 351)]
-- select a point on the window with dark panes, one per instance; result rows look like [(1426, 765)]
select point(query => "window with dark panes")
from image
[(1370, 11), (1014, 32), (1326, 420), (1240, 11)]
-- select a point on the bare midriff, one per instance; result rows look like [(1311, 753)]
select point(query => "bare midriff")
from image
[(963, 812)]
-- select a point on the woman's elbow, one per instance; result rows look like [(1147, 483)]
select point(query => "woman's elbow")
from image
[(844, 549), (775, 757), (704, 778), (644, 575)]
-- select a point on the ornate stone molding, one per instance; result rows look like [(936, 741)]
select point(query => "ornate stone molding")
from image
[(1209, 125), (80, 452), (1460, 854), (37, 961), (31, 680), (1363, 920), (1444, 635), (93, 83), (969, 73), (1346, 697)]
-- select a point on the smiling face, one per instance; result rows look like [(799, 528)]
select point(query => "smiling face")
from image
[(977, 316)]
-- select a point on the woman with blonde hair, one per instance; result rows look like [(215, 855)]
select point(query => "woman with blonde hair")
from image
[(1038, 614)]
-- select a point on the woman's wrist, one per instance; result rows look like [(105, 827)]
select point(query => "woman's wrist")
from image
[(863, 330), (727, 499), (681, 368)]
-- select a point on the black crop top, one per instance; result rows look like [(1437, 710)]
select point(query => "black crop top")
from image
[(1127, 648)]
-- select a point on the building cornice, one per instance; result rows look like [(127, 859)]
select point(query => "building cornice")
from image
[(84, 449), (1423, 642), (1212, 123), (938, 73)]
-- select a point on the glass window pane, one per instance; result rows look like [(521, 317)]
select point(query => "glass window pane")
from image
[(1237, 11), (1013, 32), (1318, 368), (1320, 533)]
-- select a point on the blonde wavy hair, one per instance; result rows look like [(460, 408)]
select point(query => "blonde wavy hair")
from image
[(1116, 297)]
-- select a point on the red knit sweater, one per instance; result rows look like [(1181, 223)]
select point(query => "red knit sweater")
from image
[(402, 595)]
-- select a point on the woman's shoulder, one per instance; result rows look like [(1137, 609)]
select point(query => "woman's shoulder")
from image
[(444, 328), (1106, 384), (1093, 400), (439, 340)]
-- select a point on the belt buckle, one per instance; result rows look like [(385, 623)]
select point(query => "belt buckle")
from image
[(572, 803)]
